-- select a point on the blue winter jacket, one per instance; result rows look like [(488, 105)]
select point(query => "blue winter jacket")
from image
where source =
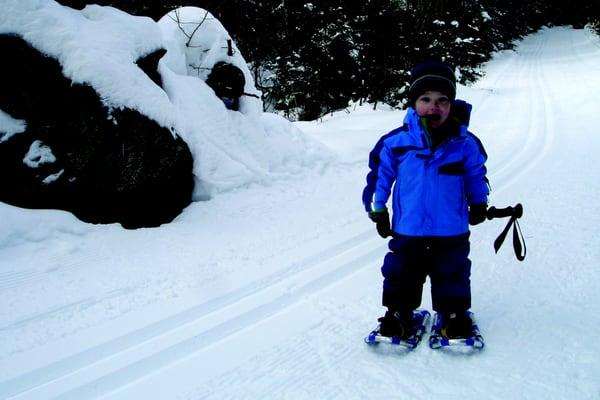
[(432, 189)]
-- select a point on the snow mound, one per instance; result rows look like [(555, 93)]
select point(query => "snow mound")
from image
[(99, 46)]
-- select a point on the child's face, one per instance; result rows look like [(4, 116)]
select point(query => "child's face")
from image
[(435, 106)]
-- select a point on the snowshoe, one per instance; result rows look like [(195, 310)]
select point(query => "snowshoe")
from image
[(399, 336), (452, 330)]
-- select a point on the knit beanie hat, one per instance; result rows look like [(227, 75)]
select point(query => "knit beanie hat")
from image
[(433, 75)]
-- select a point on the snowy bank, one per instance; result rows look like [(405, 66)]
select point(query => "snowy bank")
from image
[(98, 46)]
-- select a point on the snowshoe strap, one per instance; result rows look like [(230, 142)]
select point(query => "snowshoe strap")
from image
[(518, 240)]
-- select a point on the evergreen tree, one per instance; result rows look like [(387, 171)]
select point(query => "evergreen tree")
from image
[(330, 69), (315, 68), (311, 57), (507, 22), (383, 51)]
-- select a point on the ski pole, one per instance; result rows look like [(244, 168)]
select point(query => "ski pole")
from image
[(514, 213)]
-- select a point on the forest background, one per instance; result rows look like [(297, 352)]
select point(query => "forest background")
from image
[(311, 58)]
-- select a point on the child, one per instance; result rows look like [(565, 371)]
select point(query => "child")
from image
[(436, 169)]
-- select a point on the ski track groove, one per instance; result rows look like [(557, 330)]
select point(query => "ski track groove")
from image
[(547, 132), (550, 130), (183, 349), (16, 279), (31, 382), (540, 135), (508, 163), (522, 160), (504, 175), (77, 305), (80, 361), (494, 84)]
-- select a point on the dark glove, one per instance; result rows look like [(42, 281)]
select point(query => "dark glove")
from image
[(477, 213), (382, 222)]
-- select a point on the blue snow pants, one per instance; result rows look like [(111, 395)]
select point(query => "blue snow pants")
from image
[(445, 259)]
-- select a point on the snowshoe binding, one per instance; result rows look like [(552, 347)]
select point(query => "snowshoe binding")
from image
[(455, 330), (400, 331)]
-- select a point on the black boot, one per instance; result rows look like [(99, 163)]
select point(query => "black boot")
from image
[(397, 324), (457, 325)]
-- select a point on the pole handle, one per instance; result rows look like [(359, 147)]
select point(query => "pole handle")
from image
[(516, 211)]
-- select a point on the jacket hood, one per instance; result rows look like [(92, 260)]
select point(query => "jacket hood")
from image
[(461, 112)]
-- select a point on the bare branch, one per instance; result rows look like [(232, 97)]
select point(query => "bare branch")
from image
[(178, 21), (196, 29)]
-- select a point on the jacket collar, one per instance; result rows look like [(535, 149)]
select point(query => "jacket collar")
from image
[(460, 113)]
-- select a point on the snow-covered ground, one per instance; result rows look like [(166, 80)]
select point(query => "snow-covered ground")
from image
[(266, 290)]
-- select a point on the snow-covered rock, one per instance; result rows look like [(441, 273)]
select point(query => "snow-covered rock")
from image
[(103, 164), (119, 56)]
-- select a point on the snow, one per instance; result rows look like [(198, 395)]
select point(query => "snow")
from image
[(266, 289), (10, 126), (38, 154), (52, 177)]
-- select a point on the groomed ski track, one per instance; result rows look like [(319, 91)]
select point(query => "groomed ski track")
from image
[(296, 332)]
